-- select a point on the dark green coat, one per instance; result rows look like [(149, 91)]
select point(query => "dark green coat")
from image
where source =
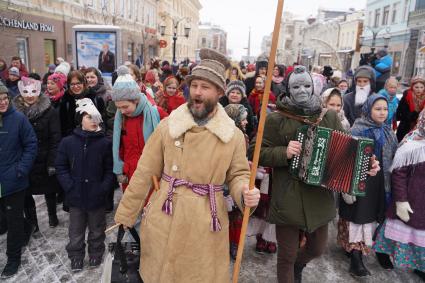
[(293, 202)]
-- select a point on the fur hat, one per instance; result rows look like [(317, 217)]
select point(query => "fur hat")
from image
[(14, 72), (86, 105), (125, 88), (63, 68), (3, 88), (29, 87), (239, 85), (212, 68)]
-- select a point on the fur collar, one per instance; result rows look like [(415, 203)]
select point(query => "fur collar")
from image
[(220, 125), (34, 111)]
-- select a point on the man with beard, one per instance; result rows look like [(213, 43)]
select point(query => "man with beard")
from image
[(195, 151), (298, 210), (364, 81)]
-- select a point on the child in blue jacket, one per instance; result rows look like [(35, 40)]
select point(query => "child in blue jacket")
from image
[(84, 170)]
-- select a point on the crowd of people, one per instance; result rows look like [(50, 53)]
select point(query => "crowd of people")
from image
[(73, 138)]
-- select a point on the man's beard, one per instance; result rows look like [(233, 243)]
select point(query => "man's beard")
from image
[(362, 94), (209, 106)]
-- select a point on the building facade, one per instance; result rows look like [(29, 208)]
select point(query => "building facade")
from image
[(212, 36), (41, 30), (349, 44), (290, 40), (416, 23), (176, 16), (386, 25)]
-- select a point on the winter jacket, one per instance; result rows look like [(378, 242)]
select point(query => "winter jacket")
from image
[(406, 117), (256, 98), (382, 70), (408, 185), (293, 202), (252, 119), (45, 122), (18, 149), (169, 103), (84, 169), (278, 88)]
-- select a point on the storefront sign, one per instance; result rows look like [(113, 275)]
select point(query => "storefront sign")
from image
[(20, 24)]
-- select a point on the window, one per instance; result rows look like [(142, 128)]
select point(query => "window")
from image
[(369, 19), (122, 8), (204, 42), (394, 16), (377, 16), (406, 10), (130, 51), (49, 52), (90, 3), (22, 44), (385, 15), (420, 5)]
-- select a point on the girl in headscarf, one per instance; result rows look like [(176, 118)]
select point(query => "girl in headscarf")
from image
[(55, 88), (403, 233), (358, 216), (171, 97), (411, 104), (332, 99), (152, 81), (256, 97)]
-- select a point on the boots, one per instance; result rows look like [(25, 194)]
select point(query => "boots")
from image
[(384, 261), (357, 267), (31, 216), (51, 209), (261, 245), (298, 270)]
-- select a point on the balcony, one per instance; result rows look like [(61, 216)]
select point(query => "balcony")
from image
[(416, 18)]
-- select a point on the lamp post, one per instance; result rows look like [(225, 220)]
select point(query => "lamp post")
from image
[(175, 35), (375, 31)]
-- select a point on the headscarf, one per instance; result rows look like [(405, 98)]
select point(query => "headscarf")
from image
[(150, 77), (385, 141), (413, 103), (341, 115), (238, 113), (392, 105), (60, 80)]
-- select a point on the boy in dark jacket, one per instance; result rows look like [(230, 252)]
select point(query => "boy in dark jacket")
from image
[(18, 148), (84, 170)]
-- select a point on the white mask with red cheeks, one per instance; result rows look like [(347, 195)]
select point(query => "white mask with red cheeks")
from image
[(29, 87)]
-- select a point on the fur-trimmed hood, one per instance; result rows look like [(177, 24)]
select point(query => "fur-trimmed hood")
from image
[(33, 111), (181, 120)]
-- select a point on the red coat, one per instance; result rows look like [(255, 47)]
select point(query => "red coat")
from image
[(132, 142), (255, 99), (170, 103)]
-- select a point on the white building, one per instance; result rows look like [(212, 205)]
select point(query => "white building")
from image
[(349, 43), (290, 40), (212, 36)]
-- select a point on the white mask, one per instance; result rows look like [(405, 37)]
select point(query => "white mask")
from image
[(29, 87)]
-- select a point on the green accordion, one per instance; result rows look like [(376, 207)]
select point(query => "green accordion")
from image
[(333, 160)]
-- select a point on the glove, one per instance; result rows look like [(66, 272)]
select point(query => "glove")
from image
[(402, 210), (349, 199), (122, 179), (51, 171)]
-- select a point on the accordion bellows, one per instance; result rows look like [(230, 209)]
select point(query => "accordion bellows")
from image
[(333, 160)]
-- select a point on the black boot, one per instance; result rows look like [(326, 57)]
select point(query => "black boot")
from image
[(420, 274), (31, 216), (51, 209), (11, 268), (357, 267), (298, 270), (384, 261)]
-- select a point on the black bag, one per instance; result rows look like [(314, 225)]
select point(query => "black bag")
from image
[(126, 259)]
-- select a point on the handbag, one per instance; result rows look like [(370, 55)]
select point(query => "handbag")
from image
[(123, 266)]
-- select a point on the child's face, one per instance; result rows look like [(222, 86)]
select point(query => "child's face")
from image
[(379, 112), (391, 89), (171, 89), (244, 122), (334, 103), (88, 124)]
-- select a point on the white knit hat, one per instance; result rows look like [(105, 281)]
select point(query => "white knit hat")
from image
[(63, 68), (125, 87)]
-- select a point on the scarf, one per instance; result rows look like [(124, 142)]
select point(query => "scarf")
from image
[(385, 141), (151, 120), (392, 105), (57, 97), (413, 102), (277, 80)]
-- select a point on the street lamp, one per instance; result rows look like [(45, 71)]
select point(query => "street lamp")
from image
[(175, 35), (375, 31), (387, 39)]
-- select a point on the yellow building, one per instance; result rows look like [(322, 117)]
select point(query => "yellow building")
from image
[(179, 17)]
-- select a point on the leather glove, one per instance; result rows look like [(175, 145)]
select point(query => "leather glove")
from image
[(122, 179), (402, 210), (51, 171), (349, 199)]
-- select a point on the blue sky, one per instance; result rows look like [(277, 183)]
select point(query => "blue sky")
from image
[(235, 16)]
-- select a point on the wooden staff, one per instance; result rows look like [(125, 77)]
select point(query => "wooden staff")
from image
[(155, 183), (259, 138)]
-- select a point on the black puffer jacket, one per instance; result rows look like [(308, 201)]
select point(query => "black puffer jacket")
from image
[(45, 122)]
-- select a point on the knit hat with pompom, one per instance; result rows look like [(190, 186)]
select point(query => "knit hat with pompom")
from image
[(125, 87)]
